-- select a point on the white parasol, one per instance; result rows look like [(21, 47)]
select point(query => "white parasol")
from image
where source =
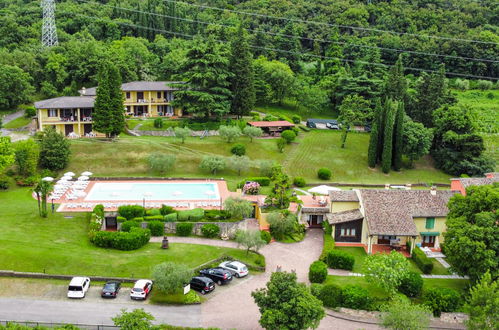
[(323, 189)]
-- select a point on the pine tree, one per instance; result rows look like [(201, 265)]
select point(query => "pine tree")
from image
[(386, 157), (372, 155), (396, 84), (381, 131), (100, 115), (116, 109), (398, 137), (242, 82)]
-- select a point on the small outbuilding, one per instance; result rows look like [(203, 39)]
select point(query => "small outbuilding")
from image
[(273, 128)]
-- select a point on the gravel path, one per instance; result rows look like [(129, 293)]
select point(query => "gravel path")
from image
[(14, 136)]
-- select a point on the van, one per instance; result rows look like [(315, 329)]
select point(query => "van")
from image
[(78, 287)]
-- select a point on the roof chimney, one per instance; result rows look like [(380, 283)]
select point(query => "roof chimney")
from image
[(433, 190), (83, 91), (490, 175), (408, 186), (387, 186)]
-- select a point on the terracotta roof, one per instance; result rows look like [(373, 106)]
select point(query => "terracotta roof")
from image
[(346, 216), (466, 182), (66, 102), (343, 196), (310, 201), (140, 86), (278, 123), (391, 212)]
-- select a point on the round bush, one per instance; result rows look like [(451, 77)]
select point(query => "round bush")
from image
[(157, 228), (315, 289), (324, 173), (158, 123), (265, 235), (152, 212), (317, 272), (331, 295), (184, 229), (131, 211), (127, 225), (299, 181), (238, 149), (210, 230), (338, 259), (288, 135), (356, 297), (296, 119), (442, 300), (411, 285)]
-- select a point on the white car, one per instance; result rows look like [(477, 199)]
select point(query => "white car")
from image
[(238, 269), (78, 287), (141, 289)]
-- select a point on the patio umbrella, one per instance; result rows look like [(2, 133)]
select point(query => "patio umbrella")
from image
[(87, 173), (69, 174), (323, 189), (66, 178), (83, 178), (81, 193), (48, 179)]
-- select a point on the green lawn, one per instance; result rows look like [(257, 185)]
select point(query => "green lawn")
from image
[(289, 109), (148, 124), (491, 142), (18, 123), (60, 246), (485, 106)]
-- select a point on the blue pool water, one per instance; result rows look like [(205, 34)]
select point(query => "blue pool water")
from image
[(153, 191)]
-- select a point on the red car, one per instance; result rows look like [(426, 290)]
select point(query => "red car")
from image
[(141, 289)]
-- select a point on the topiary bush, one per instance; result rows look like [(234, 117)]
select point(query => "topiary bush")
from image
[(296, 119), (218, 215), (238, 149), (422, 261), (331, 295), (264, 181), (152, 212), (288, 135), (131, 211), (411, 285), (157, 228), (265, 235), (299, 181), (120, 240), (190, 215), (129, 224), (153, 218), (442, 300), (210, 230), (165, 209), (184, 229), (172, 217), (317, 272), (356, 297), (338, 259), (324, 173)]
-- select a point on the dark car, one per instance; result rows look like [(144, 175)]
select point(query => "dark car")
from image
[(202, 284), (219, 275), (111, 289)]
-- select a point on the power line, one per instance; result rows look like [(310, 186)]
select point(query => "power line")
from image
[(286, 51), (298, 37), (332, 25), (49, 30)]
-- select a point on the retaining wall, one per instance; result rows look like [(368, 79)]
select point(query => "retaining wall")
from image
[(227, 228)]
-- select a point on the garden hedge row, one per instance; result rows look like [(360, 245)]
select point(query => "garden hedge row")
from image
[(350, 296), (120, 240), (338, 259), (411, 285), (442, 300), (210, 230), (157, 228), (424, 263), (184, 228)]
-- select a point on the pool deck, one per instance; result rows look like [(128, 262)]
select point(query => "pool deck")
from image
[(81, 205)]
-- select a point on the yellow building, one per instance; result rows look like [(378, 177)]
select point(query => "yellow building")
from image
[(72, 115)]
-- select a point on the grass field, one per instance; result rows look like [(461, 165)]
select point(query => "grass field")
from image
[(18, 123), (313, 150), (58, 245), (491, 142), (485, 106), (289, 109)]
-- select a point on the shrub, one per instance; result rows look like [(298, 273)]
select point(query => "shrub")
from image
[(251, 188), (328, 244), (269, 118), (265, 235), (317, 272), (264, 181), (131, 211), (29, 112), (126, 241), (157, 228), (280, 143), (331, 295), (216, 214), (304, 128), (210, 230), (484, 84), (165, 209), (424, 263), (296, 130), (153, 218), (238, 149), (441, 300), (190, 215), (172, 217), (229, 133), (324, 173), (169, 277), (4, 183), (184, 229), (411, 285), (212, 164), (288, 135), (120, 219), (299, 181), (356, 297), (161, 163), (158, 122), (340, 260), (128, 225), (152, 212), (315, 289), (296, 119)]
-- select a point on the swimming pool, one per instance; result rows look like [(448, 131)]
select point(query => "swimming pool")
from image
[(152, 191)]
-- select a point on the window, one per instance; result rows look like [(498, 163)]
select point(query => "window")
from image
[(158, 95), (127, 95), (52, 112), (430, 223), (347, 232)]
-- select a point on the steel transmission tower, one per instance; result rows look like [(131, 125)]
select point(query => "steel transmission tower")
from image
[(49, 31)]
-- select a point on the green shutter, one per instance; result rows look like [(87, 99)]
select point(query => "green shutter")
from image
[(430, 223)]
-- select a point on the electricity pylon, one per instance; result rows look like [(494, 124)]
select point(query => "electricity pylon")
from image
[(49, 30)]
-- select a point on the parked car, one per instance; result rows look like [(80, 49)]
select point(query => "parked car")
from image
[(219, 275), (333, 125), (78, 287), (237, 269), (141, 289), (202, 284), (111, 289)]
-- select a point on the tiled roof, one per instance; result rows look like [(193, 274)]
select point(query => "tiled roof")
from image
[(345, 216), (311, 201), (141, 86), (343, 196), (391, 212), (466, 182), (277, 123), (66, 102)]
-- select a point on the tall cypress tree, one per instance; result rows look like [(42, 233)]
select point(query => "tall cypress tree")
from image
[(386, 157), (372, 155), (242, 82), (100, 118), (396, 84), (381, 131), (398, 136), (116, 106)]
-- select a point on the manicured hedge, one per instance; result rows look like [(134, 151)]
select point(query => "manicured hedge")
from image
[(216, 215), (262, 180), (127, 225), (317, 272), (356, 297), (324, 173), (138, 219), (442, 300), (190, 215), (120, 219), (296, 119), (157, 228), (133, 240), (210, 230), (131, 211), (184, 229), (153, 212), (331, 295), (153, 218), (299, 181), (238, 149), (328, 242), (172, 217), (165, 209), (340, 260), (411, 285), (424, 263), (265, 235)]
